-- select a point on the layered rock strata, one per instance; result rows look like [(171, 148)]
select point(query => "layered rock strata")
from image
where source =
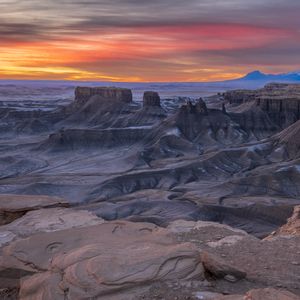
[(83, 94), (151, 99)]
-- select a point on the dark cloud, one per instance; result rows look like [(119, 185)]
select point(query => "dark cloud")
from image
[(87, 15)]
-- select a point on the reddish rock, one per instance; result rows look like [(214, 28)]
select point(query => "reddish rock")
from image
[(220, 269), (96, 261), (262, 294), (13, 207)]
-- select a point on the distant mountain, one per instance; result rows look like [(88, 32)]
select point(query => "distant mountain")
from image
[(14, 89), (255, 75), (284, 77)]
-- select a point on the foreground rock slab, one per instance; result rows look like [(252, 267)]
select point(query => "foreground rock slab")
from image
[(262, 294), (46, 220), (15, 206), (268, 263), (116, 258)]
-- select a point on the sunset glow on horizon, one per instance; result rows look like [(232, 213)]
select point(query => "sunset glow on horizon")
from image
[(134, 40)]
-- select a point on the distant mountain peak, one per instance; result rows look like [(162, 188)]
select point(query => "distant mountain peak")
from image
[(283, 77), (255, 75)]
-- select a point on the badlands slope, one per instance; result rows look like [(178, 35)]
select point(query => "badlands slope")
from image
[(104, 197)]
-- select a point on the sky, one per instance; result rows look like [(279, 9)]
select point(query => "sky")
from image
[(147, 40)]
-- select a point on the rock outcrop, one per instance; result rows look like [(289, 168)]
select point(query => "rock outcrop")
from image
[(289, 138), (150, 114), (108, 110), (261, 294), (201, 107), (83, 94), (292, 227), (49, 220), (13, 207), (151, 99), (116, 260), (219, 268), (281, 102), (254, 121), (75, 139), (237, 97), (61, 253), (207, 126)]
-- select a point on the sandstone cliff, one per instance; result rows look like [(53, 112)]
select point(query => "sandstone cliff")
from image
[(83, 94), (281, 102)]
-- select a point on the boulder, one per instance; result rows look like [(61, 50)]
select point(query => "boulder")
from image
[(220, 269)]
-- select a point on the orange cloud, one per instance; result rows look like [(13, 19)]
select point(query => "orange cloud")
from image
[(76, 56)]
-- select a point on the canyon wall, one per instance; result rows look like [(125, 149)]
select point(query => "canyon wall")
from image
[(83, 94)]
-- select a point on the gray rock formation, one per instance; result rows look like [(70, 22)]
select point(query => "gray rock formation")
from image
[(114, 159), (290, 140), (83, 94), (280, 102), (151, 99), (200, 125), (201, 107)]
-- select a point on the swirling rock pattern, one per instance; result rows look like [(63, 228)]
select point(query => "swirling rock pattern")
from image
[(96, 261)]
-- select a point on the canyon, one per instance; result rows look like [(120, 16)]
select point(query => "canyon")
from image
[(107, 196)]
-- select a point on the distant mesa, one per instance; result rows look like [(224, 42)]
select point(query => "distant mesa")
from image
[(83, 94), (97, 106), (151, 99), (280, 101)]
